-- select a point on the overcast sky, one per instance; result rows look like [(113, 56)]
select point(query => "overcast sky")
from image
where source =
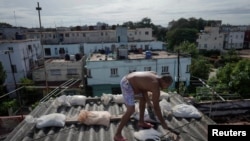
[(89, 12)]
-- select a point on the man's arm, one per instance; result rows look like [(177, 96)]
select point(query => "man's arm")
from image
[(147, 99), (157, 109)]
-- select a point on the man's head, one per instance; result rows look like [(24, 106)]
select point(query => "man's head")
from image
[(166, 81)]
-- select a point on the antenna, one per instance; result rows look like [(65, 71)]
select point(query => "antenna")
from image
[(15, 18)]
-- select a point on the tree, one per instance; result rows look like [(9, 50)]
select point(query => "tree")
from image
[(2, 78), (240, 78), (188, 48), (233, 78), (177, 36), (29, 95), (200, 68)]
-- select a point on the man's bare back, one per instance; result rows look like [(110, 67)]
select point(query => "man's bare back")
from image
[(143, 81)]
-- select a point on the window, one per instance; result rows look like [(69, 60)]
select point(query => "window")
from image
[(66, 34), (205, 45), (146, 33), (114, 72), (89, 73), (56, 51), (13, 67), (164, 69), (47, 51), (10, 49), (30, 48), (55, 72), (147, 68), (188, 69), (72, 71)]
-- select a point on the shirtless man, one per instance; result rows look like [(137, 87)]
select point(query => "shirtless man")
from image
[(140, 83)]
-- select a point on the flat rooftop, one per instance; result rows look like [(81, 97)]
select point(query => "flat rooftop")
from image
[(131, 56)]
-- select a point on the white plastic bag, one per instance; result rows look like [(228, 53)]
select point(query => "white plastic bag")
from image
[(118, 99), (54, 119), (147, 134), (185, 111), (147, 118), (106, 98), (79, 100), (166, 107), (94, 117)]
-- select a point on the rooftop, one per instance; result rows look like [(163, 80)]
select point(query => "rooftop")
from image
[(131, 55), (191, 129)]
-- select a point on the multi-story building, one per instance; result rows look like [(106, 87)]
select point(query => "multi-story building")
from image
[(18, 58), (224, 37), (91, 36), (211, 39), (234, 40), (104, 71)]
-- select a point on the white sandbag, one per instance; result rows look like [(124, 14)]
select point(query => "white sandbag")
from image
[(94, 117), (118, 99), (164, 95), (147, 134), (166, 107), (54, 119), (61, 101), (185, 111), (77, 100), (106, 98), (147, 118)]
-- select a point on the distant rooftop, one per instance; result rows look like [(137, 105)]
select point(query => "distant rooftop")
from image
[(131, 55)]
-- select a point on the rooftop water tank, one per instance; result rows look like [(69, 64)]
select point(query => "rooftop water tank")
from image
[(148, 54)]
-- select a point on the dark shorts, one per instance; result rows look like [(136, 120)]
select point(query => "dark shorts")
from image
[(127, 92)]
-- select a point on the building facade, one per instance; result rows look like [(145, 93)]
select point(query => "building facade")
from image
[(92, 36), (104, 71), (211, 39), (18, 58), (224, 38)]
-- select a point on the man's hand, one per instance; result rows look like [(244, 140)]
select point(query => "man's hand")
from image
[(164, 125)]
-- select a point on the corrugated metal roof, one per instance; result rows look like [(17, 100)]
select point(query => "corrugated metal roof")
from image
[(190, 129)]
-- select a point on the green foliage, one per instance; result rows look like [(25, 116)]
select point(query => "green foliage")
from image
[(5, 25), (200, 68), (5, 105), (188, 48), (233, 78), (240, 78), (2, 74), (2, 79), (177, 36), (27, 82), (231, 56)]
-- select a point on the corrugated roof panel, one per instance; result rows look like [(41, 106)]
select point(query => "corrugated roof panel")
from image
[(190, 129)]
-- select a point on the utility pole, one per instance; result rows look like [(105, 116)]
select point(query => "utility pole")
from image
[(13, 75), (178, 71), (38, 8)]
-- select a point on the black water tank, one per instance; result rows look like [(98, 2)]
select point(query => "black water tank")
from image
[(67, 57), (77, 56)]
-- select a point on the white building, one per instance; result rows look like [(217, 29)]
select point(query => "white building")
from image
[(60, 69), (22, 55), (234, 40), (211, 39), (104, 72), (92, 36)]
